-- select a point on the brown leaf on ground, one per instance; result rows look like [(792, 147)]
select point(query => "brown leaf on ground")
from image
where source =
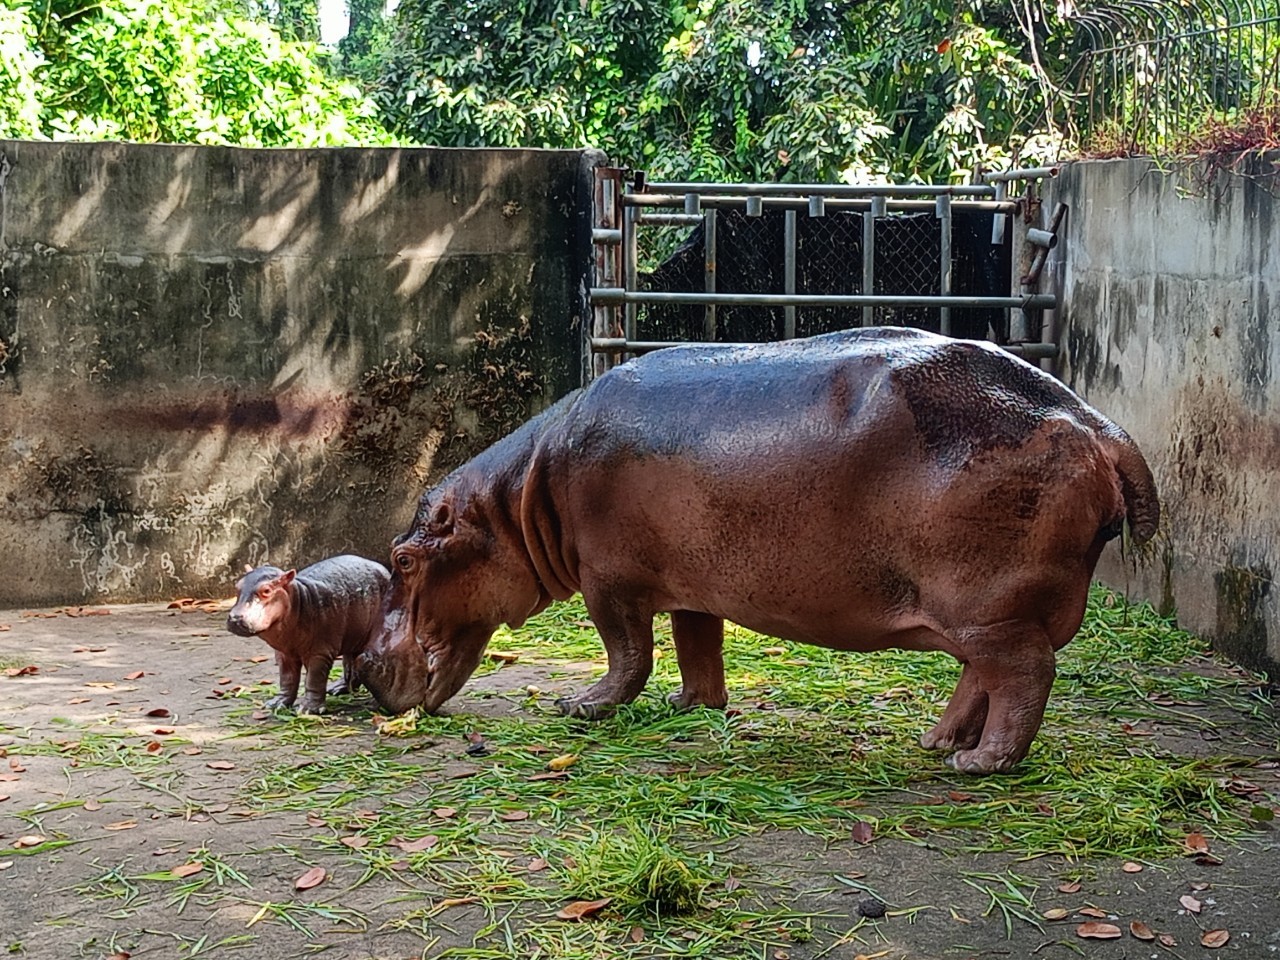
[(549, 775), (455, 902), (1196, 843), (26, 671), (314, 821), (259, 659), (220, 765), (1056, 913), (121, 825), (158, 712), (136, 675), (731, 883), (1190, 903), (30, 840), (636, 935), (1131, 867), (1141, 931), (120, 955), (1098, 931), (16, 765), (3, 797), (511, 816), (162, 731), (417, 846), (862, 832), (1213, 939), (1092, 912), (501, 657), (583, 908), (312, 878), (4, 627), (958, 796), (92, 805), (192, 751), (1071, 886), (536, 865), (187, 869), (155, 746), (1167, 940), (355, 843)]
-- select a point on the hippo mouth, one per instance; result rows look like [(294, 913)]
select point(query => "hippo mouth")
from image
[(240, 628), (405, 667)]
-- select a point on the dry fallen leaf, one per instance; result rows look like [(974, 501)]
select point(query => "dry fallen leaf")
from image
[(549, 775), (192, 751), (1098, 931), (187, 869), (75, 700), (1191, 904), (731, 884), (30, 840), (314, 821), (562, 762), (120, 955), (511, 816), (220, 765), (1055, 913), (536, 865), (136, 675), (158, 712), (862, 832), (92, 805), (258, 659), (774, 651), (155, 746), (1213, 939), (1092, 912), (16, 765), (455, 902), (1167, 940), (1131, 867), (583, 908), (636, 935), (3, 797), (417, 846), (121, 825), (21, 671), (162, 731), (958, 796), (312, 878), (355, 843), (1196, 843), (503, 657), (1072, 886), (1140, 930)]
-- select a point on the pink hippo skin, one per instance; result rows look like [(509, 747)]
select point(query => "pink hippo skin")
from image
[(861, 490), (328, 610)]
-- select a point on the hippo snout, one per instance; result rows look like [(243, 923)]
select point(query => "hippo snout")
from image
[(394, 692), (237, 625)]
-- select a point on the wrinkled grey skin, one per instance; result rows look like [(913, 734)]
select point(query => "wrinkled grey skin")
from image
[(862, 490), (310, 618)]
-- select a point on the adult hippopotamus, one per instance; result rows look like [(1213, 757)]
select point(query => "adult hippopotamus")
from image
[(860, 490)]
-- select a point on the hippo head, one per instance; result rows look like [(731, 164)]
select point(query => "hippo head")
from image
[(458, 572), (262, 600)]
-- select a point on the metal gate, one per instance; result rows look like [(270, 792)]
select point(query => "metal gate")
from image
[(769, 261)]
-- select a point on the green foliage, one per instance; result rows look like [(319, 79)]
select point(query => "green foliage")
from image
[(182, 71), (721, 89)]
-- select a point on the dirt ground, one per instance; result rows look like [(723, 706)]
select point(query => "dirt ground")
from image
[(92, 828)]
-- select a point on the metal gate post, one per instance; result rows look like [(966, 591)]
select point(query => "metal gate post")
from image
[(943, 213), (878, 209), (709, 272), (789, 273), (629, 280), (607, 242)]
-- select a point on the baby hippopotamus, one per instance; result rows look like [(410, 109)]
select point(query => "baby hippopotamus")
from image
[(311, 617)]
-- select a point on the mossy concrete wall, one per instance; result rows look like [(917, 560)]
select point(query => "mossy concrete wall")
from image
[(212, 357), (1170, 284)]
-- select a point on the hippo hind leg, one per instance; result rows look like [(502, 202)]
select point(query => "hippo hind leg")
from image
[(699, 639), (349, 682), (627, 632), (1012, 667), (961, 725)]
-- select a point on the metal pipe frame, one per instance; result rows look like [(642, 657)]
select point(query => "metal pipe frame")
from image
[(876, 212), (617, 295), (1028, 351), (726, 202), (944, 261), (789, 273), (823, 189), (708, 273), (1026, 173)]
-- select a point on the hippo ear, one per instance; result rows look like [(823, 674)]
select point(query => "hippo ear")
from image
[(286, 578), (441, 523), (247, 569)]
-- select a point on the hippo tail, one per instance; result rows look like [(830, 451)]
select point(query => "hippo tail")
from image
[(1142, 505)]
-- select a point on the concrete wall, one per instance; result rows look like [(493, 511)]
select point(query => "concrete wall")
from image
[(1171, 289), (211, 357)]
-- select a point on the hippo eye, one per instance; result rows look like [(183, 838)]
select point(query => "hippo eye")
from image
[(404, 562)]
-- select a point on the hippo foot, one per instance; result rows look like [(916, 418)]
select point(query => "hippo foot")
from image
[(315, 707), (279, 702), (687, 700), (980, 761), (583, 709), (339, 687)]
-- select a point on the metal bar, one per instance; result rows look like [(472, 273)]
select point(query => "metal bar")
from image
[(722, 202), (998, 220), (789, 273), (629, 257), (601, 235), (614, 295), (668, 219), (1026, 173), (869, 219), (709, 273), (620, 345), (605, 212), (1042, 238), (825, 189), (944, 261)]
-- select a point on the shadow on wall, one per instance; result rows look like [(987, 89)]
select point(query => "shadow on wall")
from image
[(213, 356)]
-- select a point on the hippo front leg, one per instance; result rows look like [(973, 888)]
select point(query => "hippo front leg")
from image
[(627, 632), (290, 674), (699, 639), (1013, 664), (961, 725), (349, 682), (318, 668)]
